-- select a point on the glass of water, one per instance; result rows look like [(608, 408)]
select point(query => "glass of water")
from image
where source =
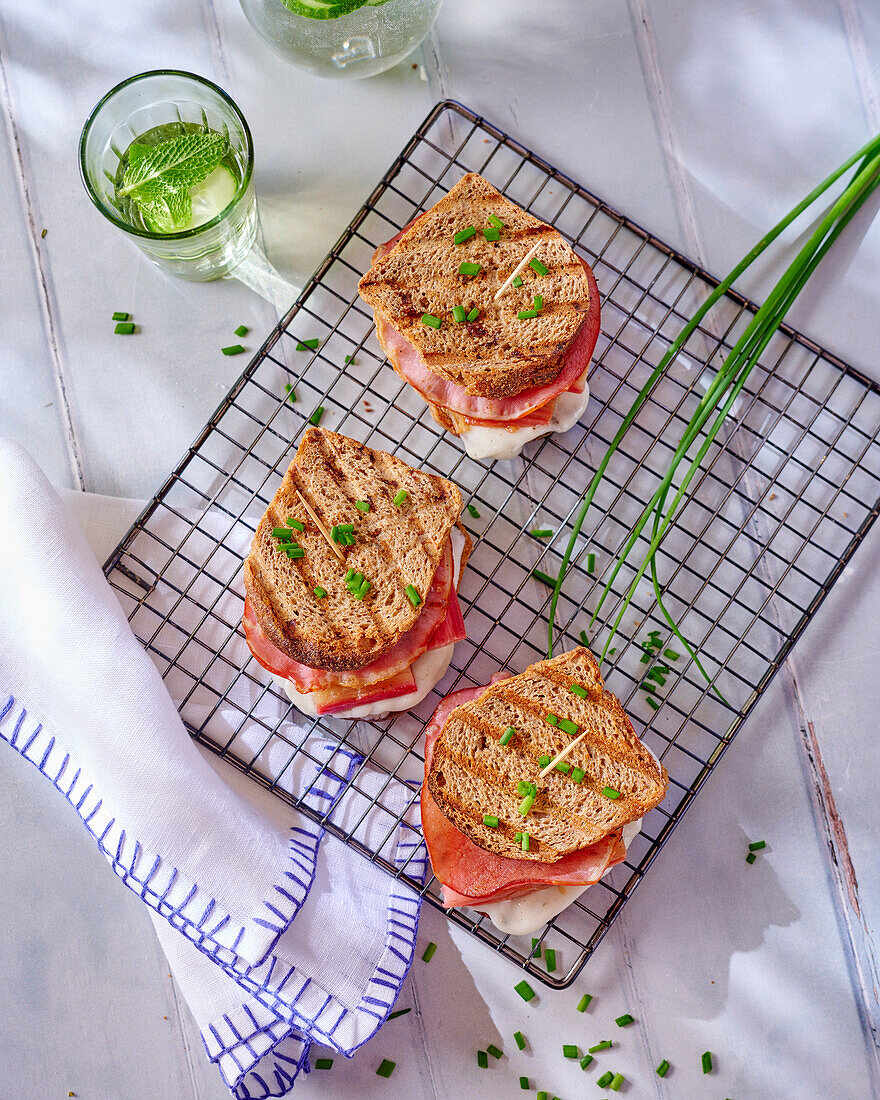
[(167, 157), (342, 38)]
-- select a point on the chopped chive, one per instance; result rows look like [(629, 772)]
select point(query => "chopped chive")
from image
[(470, 269), (541, 532), (616, 1081), (577, 774), (757, 845), (586, 1060), (541, 1095), (543, 761), (545, 578), (563, 766), (610, 792), (623, 1020), (495, 221), (399, 1012), (538, 302), (350, 573), (584, 1002), (524, 843), (551, 719), (612, 651), (490, 821), (120, 316), (591, 563), (536, 265), (524, 787), (524, 990), (472, 511), (482, 1059), (464, 235), (386, 1068), (308, 345), (517, 282), (491, 233), (550, 959), (662, 1069), (526, 314), (706, 1060), (126, 328), (319, 592), (323, 1063), (474, 314), (350, 359), (524, 1083), (296, 552), (296, 524), (652, 702), (414, 598), (604, 1045), (242, 330), (282, 533), (315, 418), (519, 1039), (363, 590), (428, 953), (567, 726), (578, 690), (605, 1079), (536, 944), (584, 639), (670, 655), (458, 314), (290, 391), (506, 736), (431, 321), (362, 505), (400, 497), (496, 1052), (526, 804), (569, 1050), (751, 857)]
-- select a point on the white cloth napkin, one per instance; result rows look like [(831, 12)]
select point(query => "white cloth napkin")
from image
[(278, 935)]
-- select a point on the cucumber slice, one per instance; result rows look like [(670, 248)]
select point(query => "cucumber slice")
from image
[(209, 198), (322, 9)]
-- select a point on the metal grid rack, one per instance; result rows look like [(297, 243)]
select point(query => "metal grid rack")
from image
[(781, 503)]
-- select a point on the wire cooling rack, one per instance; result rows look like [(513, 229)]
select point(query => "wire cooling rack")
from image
[(780, 505)]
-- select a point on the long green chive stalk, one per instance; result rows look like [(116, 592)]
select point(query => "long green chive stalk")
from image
[(733, 373)]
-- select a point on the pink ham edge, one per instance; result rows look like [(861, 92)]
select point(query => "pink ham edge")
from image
[(438, 391), (495, 878)]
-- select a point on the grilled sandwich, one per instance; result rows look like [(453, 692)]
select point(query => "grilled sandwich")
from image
[(495, 826), (352, 576), (498, 362)]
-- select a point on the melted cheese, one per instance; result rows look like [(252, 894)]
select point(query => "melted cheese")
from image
[(495, 443), (427, 669), (523, 916)]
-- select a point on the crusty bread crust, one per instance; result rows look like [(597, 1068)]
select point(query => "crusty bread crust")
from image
[(471, 774), (394, 546), (497, 355)]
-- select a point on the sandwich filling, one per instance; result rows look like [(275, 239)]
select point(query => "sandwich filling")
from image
[(394, 675)]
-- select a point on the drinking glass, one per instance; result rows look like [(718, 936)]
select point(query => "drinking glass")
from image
[(342, 38), (169, 102)]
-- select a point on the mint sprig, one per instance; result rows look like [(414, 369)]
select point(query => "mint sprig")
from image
[(158, 178)]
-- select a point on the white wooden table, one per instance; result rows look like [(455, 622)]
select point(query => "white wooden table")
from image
[(704, 122)]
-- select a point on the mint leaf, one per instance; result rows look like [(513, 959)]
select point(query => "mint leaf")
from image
[(159, 177)]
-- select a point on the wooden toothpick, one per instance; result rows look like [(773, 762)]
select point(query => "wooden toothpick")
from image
[(339, 554), (517, 269), (563, 754)]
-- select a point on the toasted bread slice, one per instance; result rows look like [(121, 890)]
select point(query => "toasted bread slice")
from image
[(497, 355), (473, 775), (394, 547)]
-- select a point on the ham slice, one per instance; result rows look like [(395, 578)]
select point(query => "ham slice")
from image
[(471, 876), (487, 411), (411, 645)]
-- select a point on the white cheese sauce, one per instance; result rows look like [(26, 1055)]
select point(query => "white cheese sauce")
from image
[(495, 443)]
